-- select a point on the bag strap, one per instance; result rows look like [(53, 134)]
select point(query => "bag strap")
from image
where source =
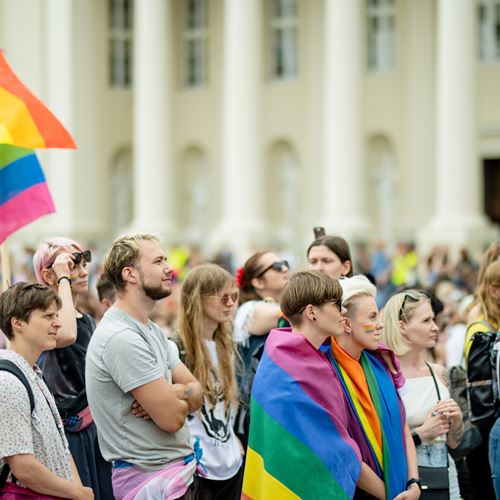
[(434, 379), (9, 366)]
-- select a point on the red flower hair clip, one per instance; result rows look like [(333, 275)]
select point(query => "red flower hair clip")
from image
[(240, 277)]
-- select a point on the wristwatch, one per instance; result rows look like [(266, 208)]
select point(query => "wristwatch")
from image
[(416, 439), (414, 481)]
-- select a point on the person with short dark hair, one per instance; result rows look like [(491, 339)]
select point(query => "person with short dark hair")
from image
[(332, 255), (106, 292), (33, 444)]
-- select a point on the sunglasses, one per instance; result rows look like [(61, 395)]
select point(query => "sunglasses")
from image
[(409, 294), (86, 255), (224, 299), (279, 266), (336, 302)]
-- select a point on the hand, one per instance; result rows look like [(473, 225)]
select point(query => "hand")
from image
[(83, 493), (139, 412), (412, 493), (451, 409), (434, 425), (63, 265)]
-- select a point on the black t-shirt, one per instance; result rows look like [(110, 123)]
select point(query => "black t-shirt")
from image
[(64, 370)]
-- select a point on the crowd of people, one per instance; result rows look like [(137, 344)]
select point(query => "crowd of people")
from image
[(352, 378)]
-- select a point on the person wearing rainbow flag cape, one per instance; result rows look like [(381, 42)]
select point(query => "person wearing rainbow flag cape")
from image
[(299, 445), (371, 378)]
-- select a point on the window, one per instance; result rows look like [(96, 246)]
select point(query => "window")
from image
[(120, 43), (380, 35), (489, 30), (284, 31), (195, 43)]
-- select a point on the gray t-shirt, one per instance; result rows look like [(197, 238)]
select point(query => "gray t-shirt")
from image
[(124, 354)]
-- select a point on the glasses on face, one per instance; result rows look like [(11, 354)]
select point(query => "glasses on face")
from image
[(335, 302), (409, 294), (224, 299), (280, 266), (86, 255)]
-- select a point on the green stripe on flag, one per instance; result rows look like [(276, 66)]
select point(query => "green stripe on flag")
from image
[(289, 460), (9, 154)]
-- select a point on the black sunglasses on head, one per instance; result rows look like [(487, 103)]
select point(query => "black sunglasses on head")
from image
[(86, 255), (279, 266), (414, 295)]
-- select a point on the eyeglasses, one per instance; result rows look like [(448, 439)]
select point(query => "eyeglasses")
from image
[(224, 299), (86, 255), (409, 294), (336, 302), (279, 266)]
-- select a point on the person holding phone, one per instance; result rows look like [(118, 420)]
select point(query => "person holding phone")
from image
[(61, 264)]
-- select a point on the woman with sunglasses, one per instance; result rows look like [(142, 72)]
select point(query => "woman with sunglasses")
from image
[(260, 282), (208, 298), (434, 419), (61, 263), (370, 376), (332, 255)]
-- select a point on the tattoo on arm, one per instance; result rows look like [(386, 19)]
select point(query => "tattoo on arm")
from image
[(445, 376)]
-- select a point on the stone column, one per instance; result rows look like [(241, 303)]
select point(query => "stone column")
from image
[(61, 163), (241, 219), (457, 218), (343, 159), (152, 147)]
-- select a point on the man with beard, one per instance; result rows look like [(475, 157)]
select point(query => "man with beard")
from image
[(138, 390)]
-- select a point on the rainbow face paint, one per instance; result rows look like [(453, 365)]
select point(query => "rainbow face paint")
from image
[(371, 328)]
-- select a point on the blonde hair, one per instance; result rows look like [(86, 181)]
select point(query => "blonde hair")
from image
[(124, 252), (201, 282), (490, 307), (354, 287), (400, 307), (307, 287)]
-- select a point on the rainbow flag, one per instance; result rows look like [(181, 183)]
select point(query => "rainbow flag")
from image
[(298, 445), (24, 120), (24, 194)]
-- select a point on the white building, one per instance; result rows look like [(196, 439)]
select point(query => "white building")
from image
[(247, 122)]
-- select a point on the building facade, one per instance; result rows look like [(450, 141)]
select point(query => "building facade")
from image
[(244, 123)]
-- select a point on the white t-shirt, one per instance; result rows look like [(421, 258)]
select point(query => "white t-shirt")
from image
[(221, 452)]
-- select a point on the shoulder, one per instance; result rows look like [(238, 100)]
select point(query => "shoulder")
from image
[(12, 392), (478, 326), (442, 373)]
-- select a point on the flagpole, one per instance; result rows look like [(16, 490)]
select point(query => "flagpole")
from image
[(4, 254)]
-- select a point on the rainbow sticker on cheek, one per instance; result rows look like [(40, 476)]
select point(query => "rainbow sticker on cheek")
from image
[(370, 328)]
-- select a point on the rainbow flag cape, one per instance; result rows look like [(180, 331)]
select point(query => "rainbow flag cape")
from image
[(378, 418), (24, 120), (24, 194), (298, 445)]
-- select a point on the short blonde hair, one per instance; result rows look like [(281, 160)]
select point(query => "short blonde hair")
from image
[(304, 288), (355, 287), (124, 252), (397, 309)]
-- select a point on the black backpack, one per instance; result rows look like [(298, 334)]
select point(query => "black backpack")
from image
[(481, 374), (9, 366)]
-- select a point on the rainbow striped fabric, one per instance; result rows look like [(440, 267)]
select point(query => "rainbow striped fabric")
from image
[(378, 419), (24, 194), (24, 120), (298, 446)]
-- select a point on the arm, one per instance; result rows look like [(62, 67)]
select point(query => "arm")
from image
[(74, 471), (413, 491), (193, 393), (369, 481), (265, 317), (40, 479), (159, 400), (67, 314)]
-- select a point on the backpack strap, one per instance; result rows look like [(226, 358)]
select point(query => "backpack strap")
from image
[(9, 366), (435, 381)]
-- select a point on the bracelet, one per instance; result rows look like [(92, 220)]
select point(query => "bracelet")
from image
[(416, 439), (64, 278), (414, 481)]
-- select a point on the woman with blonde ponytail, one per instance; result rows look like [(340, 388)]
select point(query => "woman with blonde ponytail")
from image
[(208, 298)]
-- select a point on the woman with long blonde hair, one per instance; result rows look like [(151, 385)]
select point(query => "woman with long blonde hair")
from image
[(208, 298)]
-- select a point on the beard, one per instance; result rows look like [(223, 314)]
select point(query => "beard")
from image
[(154, 292)]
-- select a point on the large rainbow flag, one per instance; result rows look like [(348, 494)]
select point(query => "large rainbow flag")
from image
[(24, 195), (24, 120), (298, 445)]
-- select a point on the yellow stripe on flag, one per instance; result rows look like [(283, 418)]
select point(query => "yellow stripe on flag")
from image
[(16, 124), (258, 484)]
